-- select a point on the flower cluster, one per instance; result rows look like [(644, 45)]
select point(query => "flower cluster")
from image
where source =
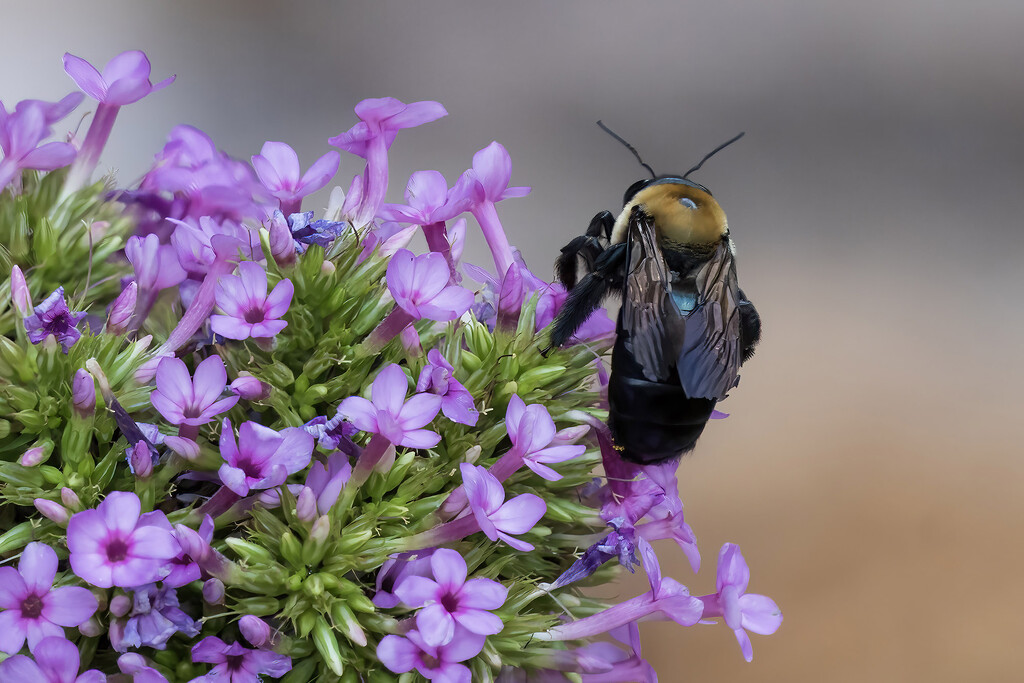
[(241, 442)]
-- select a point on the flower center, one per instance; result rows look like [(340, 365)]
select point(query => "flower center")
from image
[(254, 315), (192, 411), (58, 324), (428, 661), (117, 550), (249, 468), (450, 602), (234, 662), (31, 607)]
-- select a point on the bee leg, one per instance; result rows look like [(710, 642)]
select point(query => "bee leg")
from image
[(750, 327), (586, 296), (587, 246)]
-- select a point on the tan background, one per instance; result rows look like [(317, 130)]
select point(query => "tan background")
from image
[(871, 470)]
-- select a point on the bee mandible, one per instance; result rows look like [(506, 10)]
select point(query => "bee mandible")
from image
[(685, 327)]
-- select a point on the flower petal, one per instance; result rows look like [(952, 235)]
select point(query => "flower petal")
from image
[(449, 569), (520, 514), (285, 163), (12, 633), (69, 605), (479, 621), (120, 510), (12, 588), (319, 174), (360, 412), (389, 389), (435, 624), (398, 654), (85, 76), (38, 566), (483, 594), (278, 301)]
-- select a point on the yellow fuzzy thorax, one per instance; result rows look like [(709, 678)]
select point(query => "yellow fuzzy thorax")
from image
[(676, 223)]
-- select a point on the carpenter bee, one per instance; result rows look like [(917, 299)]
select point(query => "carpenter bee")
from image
[(684, 327)]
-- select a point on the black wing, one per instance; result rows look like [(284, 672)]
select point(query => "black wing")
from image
[(651, 320), (711, 352)]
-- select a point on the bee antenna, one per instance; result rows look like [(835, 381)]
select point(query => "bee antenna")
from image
[(712, 153), (631, 148)]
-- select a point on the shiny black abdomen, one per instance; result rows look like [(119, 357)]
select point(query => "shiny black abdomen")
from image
[(651, 421)]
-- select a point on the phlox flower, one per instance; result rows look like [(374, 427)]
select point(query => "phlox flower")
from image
[(262, 457), (623, 666), (420, 285), (112, 545), (154, 618), (492, 170), (134, 665), (56, 660), (32, 608), (156, 265), (54, 317), (21, 133), (456, 402), (249, 310), (435, 663), (125, 78), (531, 431), (184, 400), (449, 599), (277, 166), (395, 570), (742, 611), (497, 517), (236, 663), (390, 415), (429, 200)]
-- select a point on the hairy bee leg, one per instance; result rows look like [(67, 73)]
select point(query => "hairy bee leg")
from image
[(586, 246), (586, 296), (750, 327)]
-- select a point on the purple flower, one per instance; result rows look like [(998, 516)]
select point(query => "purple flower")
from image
[(435, 663), (250, 311), (430, 201), (742, 611), (333, 433), (237, 663), (371, 138), (20, 135), (304, 230), (277, 166), (21, 298), (156, 265), (121, 311), (420, 285), (248, 387), (56, 661), (54, 317), (492, 170), (326, 483), (112, 545), (620, 543), (497, 517), (255, 630), (135, 665), (397, 569), (390, 415), (33, 609), (125, 78), (183, 400), (262, 458), (83, 394), (532, 430), (154, 618), (622, 666), (672, 525), (456, 401), (450, 599), (184, 570)]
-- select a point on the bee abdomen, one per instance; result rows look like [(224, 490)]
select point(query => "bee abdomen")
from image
[(652, 421)]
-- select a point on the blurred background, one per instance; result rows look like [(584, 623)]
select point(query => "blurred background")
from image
[(870, 469)]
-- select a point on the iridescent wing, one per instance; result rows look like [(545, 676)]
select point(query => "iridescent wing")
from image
[(710, 353), (649, 316)]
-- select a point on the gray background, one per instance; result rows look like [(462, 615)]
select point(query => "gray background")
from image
[(871, 468)]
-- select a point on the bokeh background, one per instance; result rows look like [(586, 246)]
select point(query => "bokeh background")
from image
[(871, 469)]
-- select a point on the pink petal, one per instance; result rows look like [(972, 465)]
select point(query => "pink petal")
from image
[(319, 174), (375, 109), (57, 657), (420, 438), (156, 543), (426, 190), (431, 276), (279, 299), (12, 633), (514, 414), (416, 114), (285, 162), (520, 514), (254, 281), (295, 450), (38, 566), (745, 647), (449, 569), (464, 645), (231, 296), (512, 192), (519, 545), (209, 381), (132, 64), (415, 591), (359, 412), (69, 605), (52, 155), (493, 168), (120, 510), (400, 274), (211, 650), (483, 594), (418, 410), (234, 479), (85, 76), (760, 614), (542, 470), (449, 304), (732, 568), (214, 409), (435, 625), (230, 328), (389, 389), (398, 654), (38, 629), (12, 588), (267, 174), (127, 90), (173, 382), (479, 621), (268, 328), (557, 454)]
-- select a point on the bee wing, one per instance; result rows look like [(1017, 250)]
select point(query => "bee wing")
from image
[(710, 354), (649, 316)]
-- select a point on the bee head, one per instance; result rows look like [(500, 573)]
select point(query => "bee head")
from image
[(684, 212)]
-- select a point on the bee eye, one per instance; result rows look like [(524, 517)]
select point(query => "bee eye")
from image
[(688, 203)]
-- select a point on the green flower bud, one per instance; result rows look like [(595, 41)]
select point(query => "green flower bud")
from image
[(307, 622), (327, 644), (250, 552), (303, 671), (315, 547), (16, 537), (538, 377), (260, 606), (347, 623), (291, 550), (278, 375), (313, 586)]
